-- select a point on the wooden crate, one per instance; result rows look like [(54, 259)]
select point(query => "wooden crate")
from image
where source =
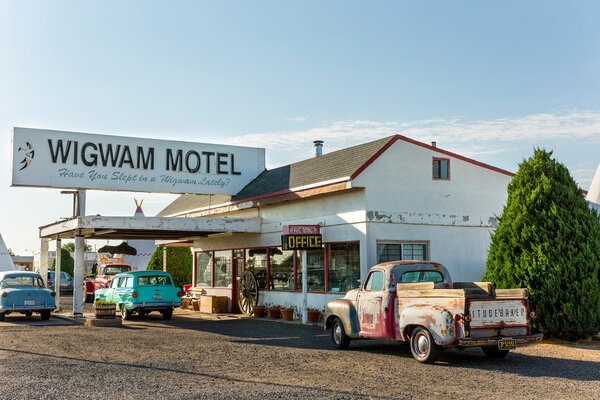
[(207, 303)]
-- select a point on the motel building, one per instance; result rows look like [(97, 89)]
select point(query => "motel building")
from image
[(390, 199)]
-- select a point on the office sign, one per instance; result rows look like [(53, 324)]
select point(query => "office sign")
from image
[(72, 160), (301, 237)]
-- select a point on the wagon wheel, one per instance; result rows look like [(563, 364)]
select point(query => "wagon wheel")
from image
[(247, 292)]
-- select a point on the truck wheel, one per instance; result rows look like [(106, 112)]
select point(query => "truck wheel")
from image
[(89, 297), (167, 314), (29, 314), (125, 313), (338, 335), (1, 316), (494, 352), (422, 346), (45, 315)]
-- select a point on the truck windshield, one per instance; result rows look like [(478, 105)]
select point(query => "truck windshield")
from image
[(116, 269)]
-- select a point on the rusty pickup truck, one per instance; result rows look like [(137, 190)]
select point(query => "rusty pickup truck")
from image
[(416, 302)]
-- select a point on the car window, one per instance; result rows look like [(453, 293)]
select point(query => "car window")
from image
[(116, 269), (375, 282), (154, 280), (422, 276), (20, 281), (122, 281), (114, 283), (129, 282)]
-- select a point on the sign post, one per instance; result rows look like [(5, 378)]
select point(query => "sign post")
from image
[(302, 237)]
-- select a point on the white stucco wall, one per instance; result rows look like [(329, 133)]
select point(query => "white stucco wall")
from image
[(454, 216)]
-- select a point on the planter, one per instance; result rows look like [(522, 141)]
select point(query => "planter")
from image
[(274, 313), (196, 305), (105, 310), (208, 303), (259, 311), (287, 314), (313, 315)]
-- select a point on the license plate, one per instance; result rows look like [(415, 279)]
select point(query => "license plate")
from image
[(30, 302), (157, 297), (507, 344)]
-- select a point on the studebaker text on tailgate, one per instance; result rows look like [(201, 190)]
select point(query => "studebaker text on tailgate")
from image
[(505, 312)]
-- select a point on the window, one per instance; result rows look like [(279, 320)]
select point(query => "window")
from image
[(153, 280), (223, 268), (204, 269), (392, 251), (375, 281), (343, 266), (315, 268), (422, 276), (282, 268), (441, 168), (256, 261)]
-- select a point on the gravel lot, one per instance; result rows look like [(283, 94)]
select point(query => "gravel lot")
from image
[(223, 357)]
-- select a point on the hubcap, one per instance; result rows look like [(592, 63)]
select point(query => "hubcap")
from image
[(337, 333), (422, 345)]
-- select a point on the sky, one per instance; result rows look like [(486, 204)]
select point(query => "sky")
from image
[(488, 80)]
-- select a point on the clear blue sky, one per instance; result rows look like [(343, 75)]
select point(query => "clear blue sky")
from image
[(489, 80)]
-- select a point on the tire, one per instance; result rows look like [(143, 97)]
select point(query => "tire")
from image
[(423, 347), (167, 314), (338, 335), (125, 313), (1, 316), (494, 352), (45, 315), (29, 314), (89, 297)]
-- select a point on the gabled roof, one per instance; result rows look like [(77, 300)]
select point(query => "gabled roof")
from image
[(337, 166)]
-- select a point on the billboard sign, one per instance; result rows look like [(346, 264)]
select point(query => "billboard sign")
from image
[(73, 160)]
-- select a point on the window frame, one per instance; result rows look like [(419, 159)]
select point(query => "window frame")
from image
[(427, 243), (434, 159)]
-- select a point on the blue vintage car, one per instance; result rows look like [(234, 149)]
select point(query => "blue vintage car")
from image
[(25, 293), (142, 292)]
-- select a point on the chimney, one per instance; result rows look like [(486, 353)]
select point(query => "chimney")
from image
[(433, 144), (318, 148)]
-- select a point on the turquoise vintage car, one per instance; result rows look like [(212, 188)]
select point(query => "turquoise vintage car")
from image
[(142, 292), (24, 292)]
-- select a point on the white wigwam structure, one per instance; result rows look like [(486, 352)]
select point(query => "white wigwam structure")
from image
[(6, 262), (145, 248), (593, 195)]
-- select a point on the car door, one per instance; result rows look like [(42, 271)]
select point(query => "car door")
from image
[(371, 311)]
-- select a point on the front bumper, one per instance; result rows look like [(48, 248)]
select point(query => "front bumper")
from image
[(493, 341)]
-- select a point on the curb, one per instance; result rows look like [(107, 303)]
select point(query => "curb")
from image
[(73, 320)]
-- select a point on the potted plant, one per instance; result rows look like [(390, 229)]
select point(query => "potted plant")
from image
[(258, 311), (287, 313), (313, 314), (275, 311), (105, 309)]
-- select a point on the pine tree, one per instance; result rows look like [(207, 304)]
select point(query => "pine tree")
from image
[(179, 264), (548, 240)]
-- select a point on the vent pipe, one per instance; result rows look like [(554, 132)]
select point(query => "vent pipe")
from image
[(433, 144), (318, 148)]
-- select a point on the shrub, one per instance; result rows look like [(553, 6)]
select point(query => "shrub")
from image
[(179, 264), (67, 264), (548, 240)]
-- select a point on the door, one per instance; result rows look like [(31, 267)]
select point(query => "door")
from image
[(371, 311), (237, 271)]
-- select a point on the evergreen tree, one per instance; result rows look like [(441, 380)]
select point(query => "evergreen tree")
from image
[(548, 240), (179, 264), (67, 264)]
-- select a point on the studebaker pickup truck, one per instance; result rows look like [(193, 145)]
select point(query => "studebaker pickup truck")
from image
[(416, 302)]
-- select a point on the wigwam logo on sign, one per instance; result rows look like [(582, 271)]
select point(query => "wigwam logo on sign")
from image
[(29, 153)]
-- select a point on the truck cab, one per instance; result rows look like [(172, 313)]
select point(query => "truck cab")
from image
[(106, 271)]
